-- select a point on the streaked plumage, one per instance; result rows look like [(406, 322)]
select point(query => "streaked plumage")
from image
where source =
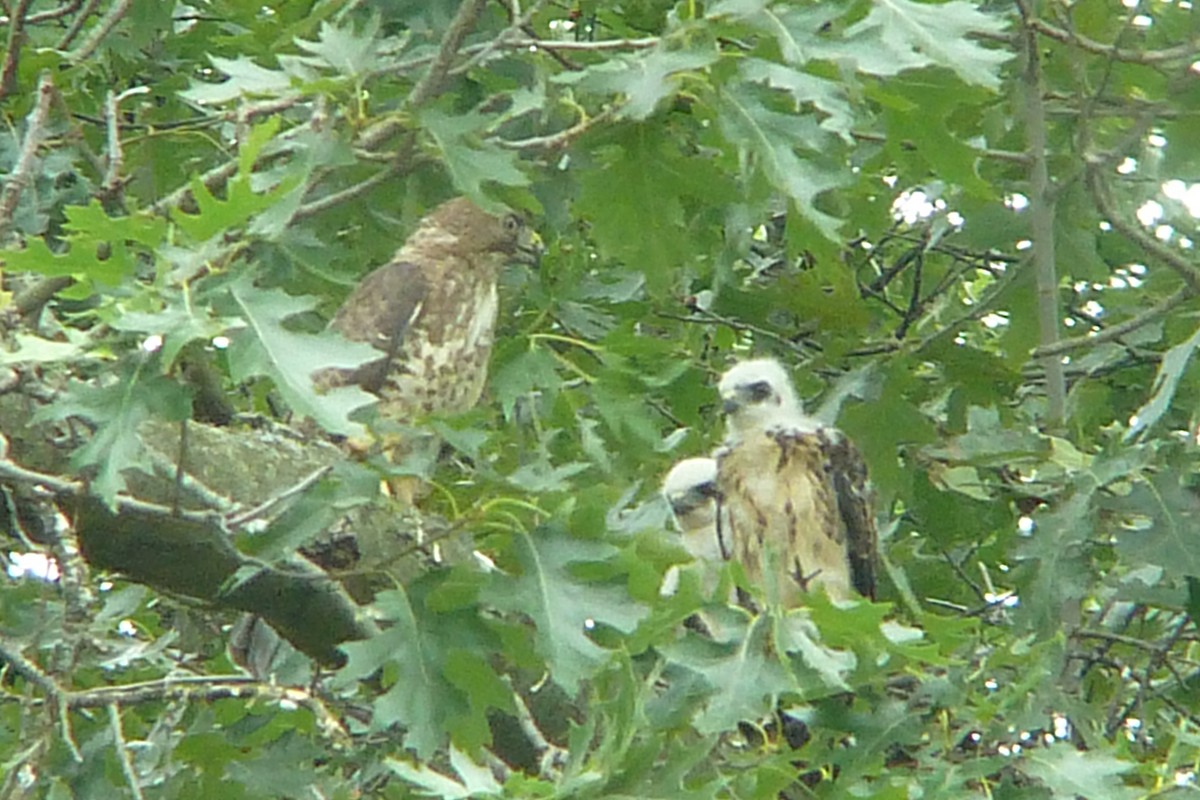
[(794, 491), (431, 312)]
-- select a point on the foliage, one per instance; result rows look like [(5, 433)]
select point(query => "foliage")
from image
[(191, 189)]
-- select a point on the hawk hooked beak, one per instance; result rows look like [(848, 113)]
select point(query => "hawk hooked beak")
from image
[(530, 248)]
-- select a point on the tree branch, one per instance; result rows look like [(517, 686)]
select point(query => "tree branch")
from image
[(431, 82), (1185, 269), (102, 29), (1112, 332), (12, 54), (22, 173), (1041, 212), (1181, 52)]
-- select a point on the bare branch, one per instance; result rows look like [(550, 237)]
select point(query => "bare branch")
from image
[(237, 520), (22, 173), (1041, 212), (1184, 268), (77, 24), (1112, 332), (28, 670), (114, 725), (350, 192), (54, 13), (1183, 52), (561, 139), (518, 24), (599, 46), (14, 473), (12, 54), (29, 301), (431, 82), (102, 29)]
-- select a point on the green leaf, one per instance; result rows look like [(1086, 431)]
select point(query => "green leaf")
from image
[(266, 347), (746, 683), (350, 52), (471, 161), (242, 202), (649, 229), (767, 140), (1171, 369), (117, 409), (180, 321), (1159, 516), (36, 350), (898, 35), (428, 781), (417, 652), (243, 77), (825, 95), (100, 247), (645, 79), (1071, 773), (562, 608)]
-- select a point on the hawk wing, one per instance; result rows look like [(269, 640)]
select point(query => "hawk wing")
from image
[(786, 518), (848, 472), (379, 312)]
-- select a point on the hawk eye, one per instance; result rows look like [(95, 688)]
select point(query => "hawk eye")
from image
[(760, 391), (512, 223)]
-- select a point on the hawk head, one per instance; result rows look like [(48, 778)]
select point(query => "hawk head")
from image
[(690, 486), (757, 395), (459, 227)]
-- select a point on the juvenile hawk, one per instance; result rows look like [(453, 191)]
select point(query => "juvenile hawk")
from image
[(794, 490), (431, 312), (690, 489)]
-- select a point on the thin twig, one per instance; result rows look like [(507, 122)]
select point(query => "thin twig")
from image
[(14, 473), (598, 46), (12, 55), (114, 725), (549, 756), (169, 468), (1177, 53), (431, 82), (22, 172), (1112, 332), (350, 192), (28, 670), (703, 317), (490, 47), (995, 155), (113, 184), (54, 13), (1185, 269), (102, 29), (208, 688), (77, 24), (561, 139), (238, 520)]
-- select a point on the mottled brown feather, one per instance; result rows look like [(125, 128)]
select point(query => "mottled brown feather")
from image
[(798, 519), (431, 312)]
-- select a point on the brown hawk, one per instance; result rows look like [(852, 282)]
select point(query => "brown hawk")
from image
[(431, 312), (795, 491)]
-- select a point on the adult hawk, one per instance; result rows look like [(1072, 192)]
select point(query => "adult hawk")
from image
[(431, 312), (690, 489), (794, 490)]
